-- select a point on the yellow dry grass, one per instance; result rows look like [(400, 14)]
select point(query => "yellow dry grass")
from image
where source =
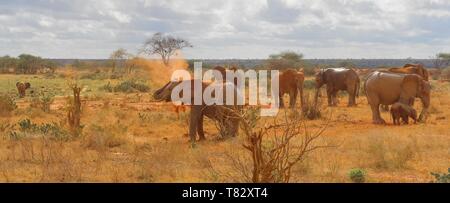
[(136, 140)]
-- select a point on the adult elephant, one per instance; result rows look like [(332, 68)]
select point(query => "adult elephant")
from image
[(22, 87), (291, 82), (224, 114), (412, 69), (409, 68), (384, 88), (338, 79)]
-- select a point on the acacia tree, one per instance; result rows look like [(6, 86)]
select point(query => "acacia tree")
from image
[(164, 46), (289, 59), (284, 60), (442, 60), (118, 58)]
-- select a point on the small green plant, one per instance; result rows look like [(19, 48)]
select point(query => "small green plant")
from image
[(442, 178), (357, 175), (43, 101), (7, 104), (27, 126)]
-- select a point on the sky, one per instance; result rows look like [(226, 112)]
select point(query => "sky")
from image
[(220, 29)]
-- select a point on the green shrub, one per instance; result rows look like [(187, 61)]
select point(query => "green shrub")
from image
[(7, 104), (357, 175), (127, 86), (442, 178), (27, 127), (107, 88), (43, 101)]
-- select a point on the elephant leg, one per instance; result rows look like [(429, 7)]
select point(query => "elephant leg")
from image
[(200, 131), (292, 99), (405, 120), (376, 117), (351, 96), (393, 118), (194, 117), (281, 101), (302, 101), (330, 95), (334, 98)]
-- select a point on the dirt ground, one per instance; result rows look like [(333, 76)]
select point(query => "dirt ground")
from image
[(130, 138)]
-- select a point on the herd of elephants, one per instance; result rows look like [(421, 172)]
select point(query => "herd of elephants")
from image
[(397, 87)]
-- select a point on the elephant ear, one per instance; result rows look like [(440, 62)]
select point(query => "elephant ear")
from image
[(17, 84), (411, 86), (27, 85)]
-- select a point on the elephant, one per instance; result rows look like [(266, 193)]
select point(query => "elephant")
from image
[(412, 69), (384, 88), (403, 111), (338, 79), (21, 87), (291, 82), (409, 69), (222, 113)]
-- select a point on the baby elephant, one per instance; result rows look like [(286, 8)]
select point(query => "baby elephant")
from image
[(21, 87), (400, 110)]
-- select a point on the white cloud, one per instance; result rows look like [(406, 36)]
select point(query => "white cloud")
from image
[(229, 29)]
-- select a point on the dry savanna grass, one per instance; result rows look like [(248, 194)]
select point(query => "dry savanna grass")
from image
[(127, 137)]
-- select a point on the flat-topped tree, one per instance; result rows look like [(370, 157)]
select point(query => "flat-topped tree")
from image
[(445, 58), (164, 45)]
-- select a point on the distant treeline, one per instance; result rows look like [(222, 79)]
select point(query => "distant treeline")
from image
[(252, 63), (364, 63), (26, 64), (29, 64)]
